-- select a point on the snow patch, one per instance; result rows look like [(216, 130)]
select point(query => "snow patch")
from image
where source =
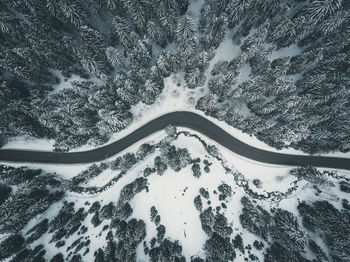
[(29, 143)]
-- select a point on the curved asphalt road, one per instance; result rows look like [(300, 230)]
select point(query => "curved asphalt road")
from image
[(183, 119)]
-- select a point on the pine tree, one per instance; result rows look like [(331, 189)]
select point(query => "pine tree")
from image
[(195, 78), (126, 95), (306, 61), (138, 11), (267, 7), (204, 57), (112, 4), (283, 31), (214, 33), (91, 38), (319, 9), (115, 120), (122, 30), (183, 5), (259, 63), (89, 63), (219, 249), (141, 54), (11, 245), (251, 44), (187, 49), (151, 92), (54, 7), (166, 13), (288, 229), (185, 29), (280, 66), (6, 19), (119, 79), (73, 11), (207, 103), (335, 21), (113, 56), (156, 34), (164, 64), (236, 11), (170, 4), (205, 17), (220, 5)]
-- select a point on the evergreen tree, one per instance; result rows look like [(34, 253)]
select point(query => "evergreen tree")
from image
[(113, 56), (188, 49), (10, 246), (333, 22), (138, 11), (236, 11), (214, 32), (219, 249), (141, 54), (73, 11), (122, 30), (251, 44), (321, 8), (113, 121), (195, 78), (166, 13), (156, 34), (185, 29)]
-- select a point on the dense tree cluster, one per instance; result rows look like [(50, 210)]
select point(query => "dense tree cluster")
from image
[(329, 222), (10, 246), (218, 247), (313, 175), (122, 50), (175, 158), (129, 191), (119, 49), (289, 238), (35, 192), (300, 100), (89, 173)]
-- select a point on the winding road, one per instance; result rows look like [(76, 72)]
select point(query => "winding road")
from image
[(182, 119)]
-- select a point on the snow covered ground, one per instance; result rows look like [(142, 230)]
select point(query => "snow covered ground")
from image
[(194, 10), (29, 143), (173, 193)]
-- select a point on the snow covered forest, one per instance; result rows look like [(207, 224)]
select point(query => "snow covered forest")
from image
[(287, 84), (76, 74)]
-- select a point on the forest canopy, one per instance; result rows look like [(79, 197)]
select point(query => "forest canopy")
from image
[(288, 83)]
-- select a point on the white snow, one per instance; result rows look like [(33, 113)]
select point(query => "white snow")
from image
[(226, 51), (194, 10), (29, 143), (291, 51), (175, 208), (244, 74)]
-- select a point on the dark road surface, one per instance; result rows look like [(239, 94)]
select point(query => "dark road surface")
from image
[(181, 119)]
